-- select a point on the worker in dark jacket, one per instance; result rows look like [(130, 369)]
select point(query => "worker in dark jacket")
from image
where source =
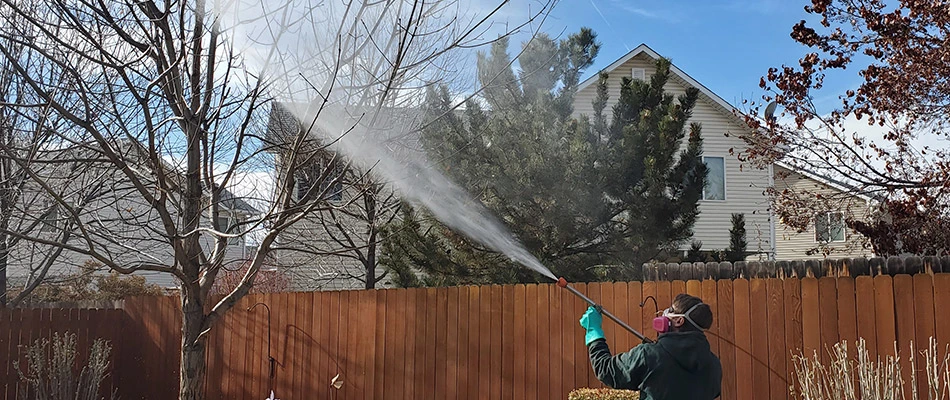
[(679, 365)]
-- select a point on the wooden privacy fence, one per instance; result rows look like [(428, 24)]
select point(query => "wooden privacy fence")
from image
[(509, 342), (655, 271)]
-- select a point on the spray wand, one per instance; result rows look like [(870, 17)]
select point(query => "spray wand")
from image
[(563, 283)]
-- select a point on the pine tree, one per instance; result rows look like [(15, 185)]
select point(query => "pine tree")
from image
[(577, 192), (737, 239)]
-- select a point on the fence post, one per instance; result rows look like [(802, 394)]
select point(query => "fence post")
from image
[(931, 265), (726, 270), (813, 269), (858, 267), (894, 266), (913, 265)]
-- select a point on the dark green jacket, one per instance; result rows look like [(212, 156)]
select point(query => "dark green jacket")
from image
[(679, 365)]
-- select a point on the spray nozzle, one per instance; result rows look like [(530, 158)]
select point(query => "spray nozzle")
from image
[(562, 282)]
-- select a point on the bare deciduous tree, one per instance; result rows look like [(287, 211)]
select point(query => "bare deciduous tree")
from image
[(157, 108)]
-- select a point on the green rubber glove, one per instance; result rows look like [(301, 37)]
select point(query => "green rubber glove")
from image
[(592, 322)]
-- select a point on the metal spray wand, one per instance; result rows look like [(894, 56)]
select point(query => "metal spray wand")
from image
[(563, 283)]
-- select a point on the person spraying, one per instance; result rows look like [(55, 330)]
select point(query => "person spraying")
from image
[(678, 365)]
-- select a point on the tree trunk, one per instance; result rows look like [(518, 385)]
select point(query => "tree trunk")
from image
[(193, 366), (370, 262)]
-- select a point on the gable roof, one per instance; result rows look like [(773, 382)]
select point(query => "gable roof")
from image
[(677, 73)]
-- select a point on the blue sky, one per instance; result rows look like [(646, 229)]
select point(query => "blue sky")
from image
[(726, 45)]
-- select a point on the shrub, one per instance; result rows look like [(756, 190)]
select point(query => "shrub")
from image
[(867, 379), (602, 394), (52, 375)]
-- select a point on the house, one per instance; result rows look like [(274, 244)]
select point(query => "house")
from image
[(733, 187), (116, 219), (737, 187)]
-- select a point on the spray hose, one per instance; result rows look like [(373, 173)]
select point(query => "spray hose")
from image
[(563, 283)]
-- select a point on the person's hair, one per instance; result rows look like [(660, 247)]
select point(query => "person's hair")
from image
[(701, 315)]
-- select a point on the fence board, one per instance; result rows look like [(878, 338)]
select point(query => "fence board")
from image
[(884, 315), (778, 384), (828, 315), (520, 342), (811, 321), (453, 345), (571, 339), (532, 350), (924, 323), (710, 298), (904, 313), (743, 367), (484, 343), (758, 307), (793, 325), (650, 309), (942, 298), (435, 320), (727, 347), (556, 352), (442, 327), (593, 291), (864, 307), (495, 344)]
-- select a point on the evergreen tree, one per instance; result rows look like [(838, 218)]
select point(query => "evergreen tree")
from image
[(578, 193), (737, 239)]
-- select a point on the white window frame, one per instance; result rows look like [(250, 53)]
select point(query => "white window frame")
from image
[(725, 183), (642, 72), (827, 216)]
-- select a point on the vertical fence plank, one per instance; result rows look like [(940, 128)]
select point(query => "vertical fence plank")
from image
[(778, 350), (634, 314), (543, 339), (431, 343), (677, 287), (593, 291), (742, 317), (484, 343), (649, 309), (811, 318), (571, 339), (758, 299), (847, 312), (904, 313), (828, 315), (308, 345), (864, 308), (453, 344), (441, 340), (325, 361), (369, 319), (941, 300), (496, 342), (581, 359), (727, 347), (532, 348), (924, 323), (520, 374), (885, 320), (793, 325), (6, 360), (556, 351), (694, 288), (509, 346), (710, 297)]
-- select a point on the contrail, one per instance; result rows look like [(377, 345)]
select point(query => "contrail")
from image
[(608, 24)]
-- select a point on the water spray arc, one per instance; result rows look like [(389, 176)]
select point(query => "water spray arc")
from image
[(564, 284)]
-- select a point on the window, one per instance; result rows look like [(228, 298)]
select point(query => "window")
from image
[(829, 227), (331, 187), (50, 216), (638, 74), (716, 180)]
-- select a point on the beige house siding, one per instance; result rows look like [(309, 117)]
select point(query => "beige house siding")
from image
[(792, 244), (745, 186)]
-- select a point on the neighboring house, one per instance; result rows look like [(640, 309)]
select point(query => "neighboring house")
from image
[(734, 186), (826, 234), (114, 215), (329, 248)]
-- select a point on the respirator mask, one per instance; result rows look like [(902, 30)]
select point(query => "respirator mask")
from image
[(662, 324)]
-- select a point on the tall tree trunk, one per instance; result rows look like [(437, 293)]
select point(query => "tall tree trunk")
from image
[(193, 366), (370, 262)]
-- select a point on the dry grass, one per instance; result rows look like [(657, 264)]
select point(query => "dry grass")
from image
[(860, 377)]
